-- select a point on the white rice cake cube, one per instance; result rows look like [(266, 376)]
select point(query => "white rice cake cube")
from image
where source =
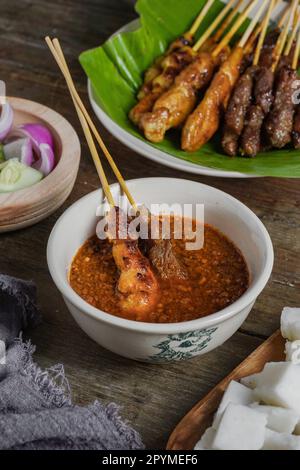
[(206, 440), (292, 351), (250, 381), (241, 428), (208, 437), (279, 385), (290, 323), (235, 393), (199, 445), (278, 419), (280, 441)]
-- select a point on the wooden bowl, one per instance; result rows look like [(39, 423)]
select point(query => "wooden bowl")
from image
[(30, 205)]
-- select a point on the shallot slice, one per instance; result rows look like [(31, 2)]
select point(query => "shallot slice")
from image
[(46, 161), (20, 149), (6, 120)]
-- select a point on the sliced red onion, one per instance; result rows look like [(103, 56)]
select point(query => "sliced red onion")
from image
[(39, 134), (6, 120), (20, 149), (46, 162)]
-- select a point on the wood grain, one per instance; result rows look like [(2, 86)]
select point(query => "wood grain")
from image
[(153, 398), (190, 429), (26, 207)]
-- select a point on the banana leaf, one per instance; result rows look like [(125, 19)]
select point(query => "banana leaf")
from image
[(116, 70)]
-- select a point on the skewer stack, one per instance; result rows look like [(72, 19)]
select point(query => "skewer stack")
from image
[(252, 99), (174, 106)]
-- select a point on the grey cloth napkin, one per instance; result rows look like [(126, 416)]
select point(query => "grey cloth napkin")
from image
[(36, 410)]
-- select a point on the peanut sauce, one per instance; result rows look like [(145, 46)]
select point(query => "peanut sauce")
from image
[(217, 276)]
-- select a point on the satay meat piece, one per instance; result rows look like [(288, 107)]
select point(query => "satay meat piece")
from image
[(137, 287), (279, 122), (252, 137), (173, 107), (181, 43), (203, 123), (162, 257), (171, 66), (237, 110)]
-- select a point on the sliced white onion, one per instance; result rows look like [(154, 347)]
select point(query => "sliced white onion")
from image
[(20, 149), (6, 120), (46, 162)]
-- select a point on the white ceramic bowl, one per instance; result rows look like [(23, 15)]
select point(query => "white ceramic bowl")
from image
[(163, 342)]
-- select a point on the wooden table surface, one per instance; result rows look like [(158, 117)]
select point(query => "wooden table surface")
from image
[(153, 397)]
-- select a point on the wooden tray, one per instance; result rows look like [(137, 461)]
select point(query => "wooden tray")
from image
[(190, 429), (28, 206)]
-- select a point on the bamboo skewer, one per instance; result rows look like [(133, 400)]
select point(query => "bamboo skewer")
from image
[(235, 28), (228, 21), (213, 26), (60, 59), (200, 18), (256, 33), (263, 33), (297, 53), (293, 35), (242, 43), (284, 17), (61, 63), (283, 36)]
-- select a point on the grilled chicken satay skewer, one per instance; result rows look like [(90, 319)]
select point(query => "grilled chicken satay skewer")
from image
[(137, 286), (279, 122), (174, 106), (172, 64), (179, 44), (240, 100), (203, 123)]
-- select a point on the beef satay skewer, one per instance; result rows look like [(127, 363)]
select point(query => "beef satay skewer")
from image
[(262, 99), (203, 123), (240, 100), (173, 64), (177, 52), (137, 287), (280, 120)]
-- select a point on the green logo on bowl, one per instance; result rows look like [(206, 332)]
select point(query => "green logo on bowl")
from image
[(183, 345)]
